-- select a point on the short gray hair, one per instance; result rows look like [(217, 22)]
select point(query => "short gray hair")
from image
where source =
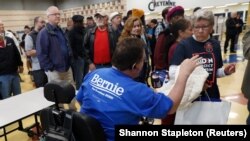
[(204, 15), (48, 11)]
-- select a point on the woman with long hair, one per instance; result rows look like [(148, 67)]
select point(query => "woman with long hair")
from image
[(133, 28)]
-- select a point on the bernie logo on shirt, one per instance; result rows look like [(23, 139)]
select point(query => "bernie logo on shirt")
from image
[(106, 86)]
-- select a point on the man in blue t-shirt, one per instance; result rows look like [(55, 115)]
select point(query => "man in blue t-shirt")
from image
[(112, 96)]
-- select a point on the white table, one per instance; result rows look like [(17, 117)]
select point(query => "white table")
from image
[(18, 107)]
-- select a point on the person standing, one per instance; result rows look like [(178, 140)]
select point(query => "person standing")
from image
[(53, 50), (134, 28), (181, 30), (76, 35), (246, 79), (115, 23), (99, 43), (161, 49), (38, 74), (231, 32), (69, 27), (112, 96), (90, 23), (10, 64), (208, 48), (239, 29)]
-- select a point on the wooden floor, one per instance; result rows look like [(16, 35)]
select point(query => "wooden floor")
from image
[(229, 89)]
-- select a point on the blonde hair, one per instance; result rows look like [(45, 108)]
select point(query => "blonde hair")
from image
[(126, 32)]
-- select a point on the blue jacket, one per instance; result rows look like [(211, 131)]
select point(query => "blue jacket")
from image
[(53, 50)]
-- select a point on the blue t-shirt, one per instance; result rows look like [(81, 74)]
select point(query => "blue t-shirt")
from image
[(211, 57), (114, 98)]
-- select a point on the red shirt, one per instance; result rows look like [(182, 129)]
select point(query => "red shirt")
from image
[(101, 47)]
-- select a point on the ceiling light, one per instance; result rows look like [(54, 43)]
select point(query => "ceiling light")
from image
[(231, 4), (206, 7), (246, 3), (221, 6)]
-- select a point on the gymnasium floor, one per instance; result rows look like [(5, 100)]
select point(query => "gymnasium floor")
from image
[(229, 89)]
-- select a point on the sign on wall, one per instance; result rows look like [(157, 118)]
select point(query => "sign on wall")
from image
[(154, 4)]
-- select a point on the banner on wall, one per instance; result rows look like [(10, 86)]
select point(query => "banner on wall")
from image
[(154, 4)]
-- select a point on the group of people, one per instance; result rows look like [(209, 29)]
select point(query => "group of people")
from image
[(109, 63), (111, 94)]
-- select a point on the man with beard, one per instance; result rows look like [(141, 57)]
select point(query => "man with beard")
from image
[(99, 43)]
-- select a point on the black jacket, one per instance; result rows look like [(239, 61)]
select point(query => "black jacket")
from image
[(10, 58), (89, 39), (231, 26), (76, 36)]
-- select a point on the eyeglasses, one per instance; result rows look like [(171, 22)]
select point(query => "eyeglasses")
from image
[(55, 14), (205, 27)]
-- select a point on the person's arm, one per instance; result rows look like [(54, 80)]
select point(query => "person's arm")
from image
[(18, 59), (246, 45), (176, 93), (29, 49), (87, 46), (42, 48)]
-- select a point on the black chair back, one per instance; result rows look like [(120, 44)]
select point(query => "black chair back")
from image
[(59, 92)]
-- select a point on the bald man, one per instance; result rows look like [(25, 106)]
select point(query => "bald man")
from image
[(53, 51)]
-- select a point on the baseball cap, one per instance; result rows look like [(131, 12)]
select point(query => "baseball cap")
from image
[(77, 18), (100, 13), (113, 15)]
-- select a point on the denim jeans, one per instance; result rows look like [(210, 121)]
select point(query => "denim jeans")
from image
[(78, 71), (9, 84)]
